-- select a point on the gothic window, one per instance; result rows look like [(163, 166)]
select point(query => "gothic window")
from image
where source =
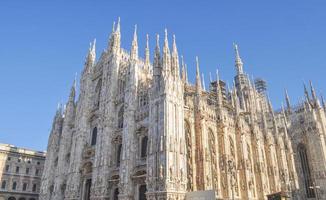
[(87, 192), (189, 156), (94, 136), (3, 185), (63, 188), (17, 169), (14, 186), (232, 147), (306, 170), (142, 192), (116, 194), (98, 93), (7, 168), (11, 198), (119, 154), (27, 170), (51, 189), (120, 117), (121, 86), (143, 152), (143, 99)]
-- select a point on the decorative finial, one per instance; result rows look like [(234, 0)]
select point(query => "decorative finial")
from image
[(203, 79)]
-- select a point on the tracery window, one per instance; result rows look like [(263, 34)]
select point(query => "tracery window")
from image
[(120, 117), (121, 85), (143, 98), (94, 136), (98, 93), (306, 170), (119, 149), (143, 152)]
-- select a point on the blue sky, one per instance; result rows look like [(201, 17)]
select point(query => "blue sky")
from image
[(44, 43)]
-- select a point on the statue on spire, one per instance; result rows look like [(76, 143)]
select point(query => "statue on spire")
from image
[(198, 81), (134, 46), (238, 61)]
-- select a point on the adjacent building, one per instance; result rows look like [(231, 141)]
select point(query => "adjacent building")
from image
[(140, 130), (21, 172)]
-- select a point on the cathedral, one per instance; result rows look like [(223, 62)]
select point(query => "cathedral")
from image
[(139, 130)]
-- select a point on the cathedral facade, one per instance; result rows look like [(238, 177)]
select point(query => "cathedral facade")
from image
[(139, 130)]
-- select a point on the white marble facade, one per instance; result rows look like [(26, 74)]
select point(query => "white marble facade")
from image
[(140, 130)]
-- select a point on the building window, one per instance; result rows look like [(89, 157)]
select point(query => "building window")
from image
[(34, 187), (120, 117), (38, 163), (27, 170), (119, 154), (19, 159), (94, 136), (142, 192), (306, 171), (143, 152), (24, 186), (116, 194), (17, 169), (7, 168), (14, 186), (98, 93), (9, 158), (3, 185), (37, 172)]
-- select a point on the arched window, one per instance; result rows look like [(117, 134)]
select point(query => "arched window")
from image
[(98, 93), (34, 187), (14, 186), (143, 152), (306, 170), (119, 154), (116, 194), (94, 136), (120, 117), (121, 85), (11, 198), (21, 198), (189, 156)]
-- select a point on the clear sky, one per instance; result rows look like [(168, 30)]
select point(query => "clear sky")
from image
[(44, 43)]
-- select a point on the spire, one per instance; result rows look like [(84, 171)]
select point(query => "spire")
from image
[(183, 70), (287, 99), (157, 57), (147, 60), (134, 46), (238, 61), (175, 59), (186, 73), (116, 39), (323, 102), (91, 56), (306, 92), (313, 93), (210, 77), (118, 26), (72, 92), (203, 79), (166, 54), (198, 81)]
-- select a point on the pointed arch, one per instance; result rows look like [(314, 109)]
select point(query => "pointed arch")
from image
[(94, 136)]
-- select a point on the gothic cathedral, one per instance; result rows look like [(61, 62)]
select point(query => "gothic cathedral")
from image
[(139, 130)]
